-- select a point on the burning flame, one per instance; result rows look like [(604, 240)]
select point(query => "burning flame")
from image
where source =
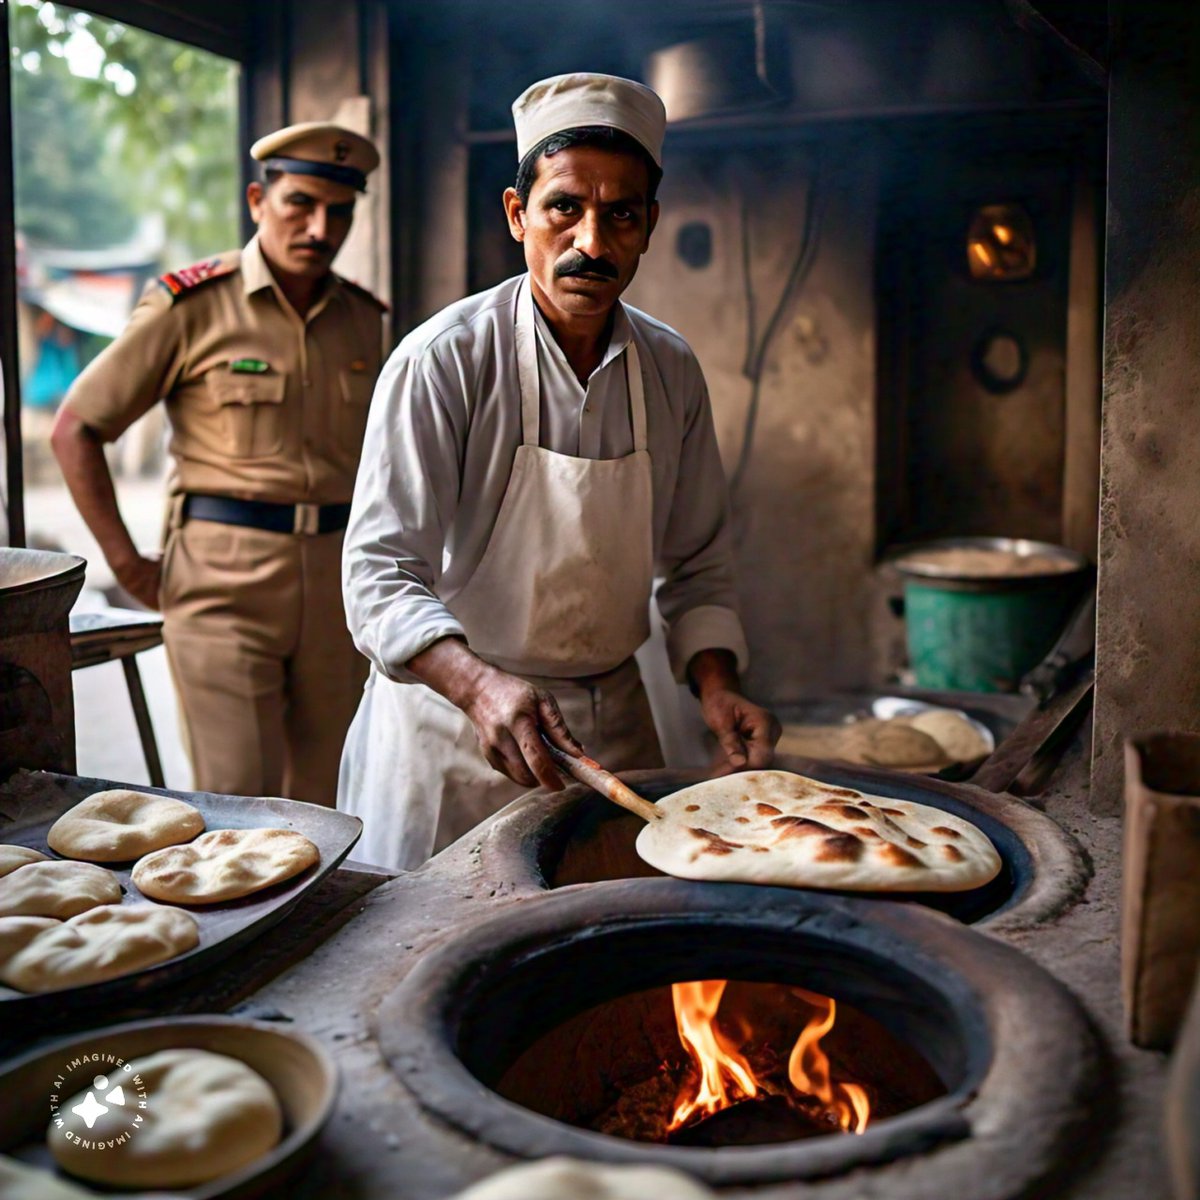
[(696, 1007), (808, 1067), (726, 1076)]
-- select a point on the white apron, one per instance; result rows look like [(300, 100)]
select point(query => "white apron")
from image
[(560, 597)]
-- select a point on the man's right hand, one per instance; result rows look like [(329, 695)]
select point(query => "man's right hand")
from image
[(141, 577), (510, 715)]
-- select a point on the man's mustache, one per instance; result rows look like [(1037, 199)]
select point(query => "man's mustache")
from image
[(322, 247), (578, 263)]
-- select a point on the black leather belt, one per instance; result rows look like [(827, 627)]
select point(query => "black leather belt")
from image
[(263, 514)]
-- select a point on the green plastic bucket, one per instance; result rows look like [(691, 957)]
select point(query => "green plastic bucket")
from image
[(981, 612)]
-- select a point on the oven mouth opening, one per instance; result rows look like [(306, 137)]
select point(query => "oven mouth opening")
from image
[(528, 1039), (596, 843), (717, 1062)]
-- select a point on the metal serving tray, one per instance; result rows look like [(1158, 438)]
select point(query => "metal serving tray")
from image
[(31, 801)]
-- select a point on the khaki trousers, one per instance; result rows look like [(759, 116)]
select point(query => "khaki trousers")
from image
[(267, 676)]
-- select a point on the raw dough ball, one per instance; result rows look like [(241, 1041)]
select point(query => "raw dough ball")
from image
[(18, 1181), (890, 744), (224, 865), (120, 825), (56, 889), (99, 944), (17, 932), (570, 1179), (12, 857), (206, 1115), (957, 736)]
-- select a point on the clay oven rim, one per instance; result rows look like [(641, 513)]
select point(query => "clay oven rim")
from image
[(991, 992), (1049, 869)]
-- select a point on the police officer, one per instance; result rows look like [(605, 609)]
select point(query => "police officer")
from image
[(265, 360)]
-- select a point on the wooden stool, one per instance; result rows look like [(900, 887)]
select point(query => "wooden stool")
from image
[(121, 633)]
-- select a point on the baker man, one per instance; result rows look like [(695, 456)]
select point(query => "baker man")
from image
[(266, 361), (532, 453)]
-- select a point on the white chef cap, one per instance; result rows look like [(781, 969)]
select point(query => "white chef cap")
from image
[(571, 101)]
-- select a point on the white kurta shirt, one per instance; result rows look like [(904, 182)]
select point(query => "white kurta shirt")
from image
[(444, 426)]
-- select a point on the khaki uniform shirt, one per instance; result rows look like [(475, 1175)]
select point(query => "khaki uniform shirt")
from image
[(263, 404)]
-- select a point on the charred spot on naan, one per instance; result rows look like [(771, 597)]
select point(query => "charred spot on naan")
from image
[(946, 831), (952, 854), (713, 843), (840, 848), (865, 831), (897, 856), (841, 810), (801, 827), (691, 808), (916, 843), (768, 810)]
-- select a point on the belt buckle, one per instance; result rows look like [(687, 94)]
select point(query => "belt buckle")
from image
[(307, 519)]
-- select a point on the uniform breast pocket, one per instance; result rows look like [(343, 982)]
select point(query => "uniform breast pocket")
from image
[(350, 417), (250, 412)]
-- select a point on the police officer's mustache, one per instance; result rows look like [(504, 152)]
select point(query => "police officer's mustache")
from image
[(578, 263), (319, 247)]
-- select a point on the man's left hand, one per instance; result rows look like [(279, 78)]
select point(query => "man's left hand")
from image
[(746, 732)]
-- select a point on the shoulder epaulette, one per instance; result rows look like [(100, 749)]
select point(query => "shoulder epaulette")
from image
[(179, 283), (360, 291)]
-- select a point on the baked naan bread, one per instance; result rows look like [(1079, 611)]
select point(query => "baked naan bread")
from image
[(12, 857), (774, 827), (224, 864), (120, 825), (207, 1114), (99, 944), (56, 889)]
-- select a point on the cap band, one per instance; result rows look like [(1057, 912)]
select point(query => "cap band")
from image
[(350, 176)]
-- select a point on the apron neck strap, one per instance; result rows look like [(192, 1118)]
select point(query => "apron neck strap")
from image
[(527, 366), (528, 376), (637, 393)]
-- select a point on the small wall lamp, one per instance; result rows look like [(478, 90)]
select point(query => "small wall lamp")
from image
[(1001, 246)]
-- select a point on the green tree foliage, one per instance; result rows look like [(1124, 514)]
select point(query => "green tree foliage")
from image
[(112, 123)]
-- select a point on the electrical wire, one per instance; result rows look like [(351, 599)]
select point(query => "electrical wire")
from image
[(756, 350)]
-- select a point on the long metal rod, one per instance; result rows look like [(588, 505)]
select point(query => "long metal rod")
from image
[(141, 714), (10, 381)]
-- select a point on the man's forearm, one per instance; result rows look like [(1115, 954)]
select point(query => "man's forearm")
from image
[(80, 455), (453, 670), (713, 670)]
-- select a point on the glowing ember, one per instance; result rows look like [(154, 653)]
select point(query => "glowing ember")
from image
[(726, 1076)]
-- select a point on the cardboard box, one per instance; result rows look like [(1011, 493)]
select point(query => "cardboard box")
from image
[(1160, 919)]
